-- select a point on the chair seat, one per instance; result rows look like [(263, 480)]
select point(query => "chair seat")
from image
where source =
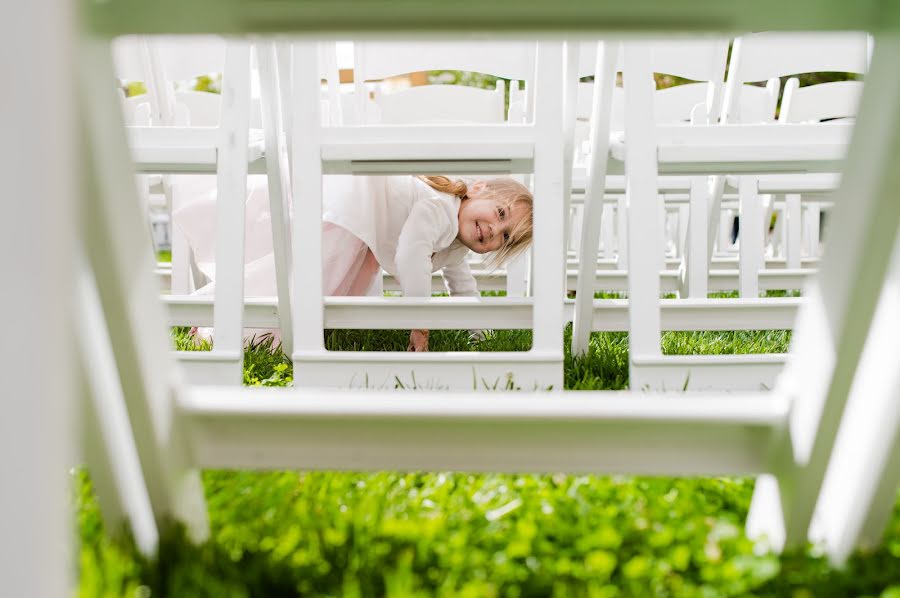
[(792, 183), (746, 149), (616, 183), (425, 149), (183, 149)]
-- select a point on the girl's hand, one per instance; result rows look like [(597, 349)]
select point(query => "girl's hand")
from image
[(418, 341)]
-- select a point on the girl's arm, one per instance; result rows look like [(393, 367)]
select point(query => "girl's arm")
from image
[(426, 223), (459, 280), (461, 283), (415, 247)]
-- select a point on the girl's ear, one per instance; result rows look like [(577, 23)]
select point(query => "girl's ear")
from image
[(476, 188)]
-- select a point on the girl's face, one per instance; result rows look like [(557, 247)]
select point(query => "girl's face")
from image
[(485, 224)]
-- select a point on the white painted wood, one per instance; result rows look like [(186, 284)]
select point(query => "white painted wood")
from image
[(231, 185), (833, 326), (548, 249), (793, 232), (696, 272), (860, 485), (607, 231), (516, 276), (775, 54), (595, 431), (681, 216), (676, 373), (622, 231), (604, 77), (528, 370), (108, 440), (180, 268), (42, 200), (812, 217), (285, 64), (278, 187), (129, 297), (746, 148), (441, 104), (750, 237), (643, 224), (497, 313), (719, 434), (724, 277), (570, 97), (307, 197), (759, 56), (836, 99)]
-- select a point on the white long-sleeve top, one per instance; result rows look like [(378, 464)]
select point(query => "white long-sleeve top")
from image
[(410, 227)]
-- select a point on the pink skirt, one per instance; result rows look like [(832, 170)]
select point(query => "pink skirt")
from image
[(349, 267)]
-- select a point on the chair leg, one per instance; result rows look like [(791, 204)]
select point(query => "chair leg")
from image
[(279, 187), (696, 261), (622, 232), (108, 440), (682, 217), (570, 95), (42, 202), (607, 230), (127, 289), (644, 233), (793, 232), (839, 309), (856, 500), (516, 276), (751, 235), (549, 248), (604, 77), (306, 179), (231, 198)]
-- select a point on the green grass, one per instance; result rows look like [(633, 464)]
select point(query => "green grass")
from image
[(456, 534)]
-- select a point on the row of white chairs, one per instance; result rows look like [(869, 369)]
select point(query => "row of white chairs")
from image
[(787, 436), (698, 60)]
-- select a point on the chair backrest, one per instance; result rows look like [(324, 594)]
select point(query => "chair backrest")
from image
[(434, 104), (184, 57), (131, 63), (701, 60), (379, 60), (136, 110), (676, 104), (176, 60), (129, 58), (761, 56), (814, 103)]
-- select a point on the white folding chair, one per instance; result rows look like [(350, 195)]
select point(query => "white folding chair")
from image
[(698, 60), (758, 57), (224, 149), (789, 432), (671, 105), (435, 104), (384, 149), (832, 102), (752, 149), (448, 104)]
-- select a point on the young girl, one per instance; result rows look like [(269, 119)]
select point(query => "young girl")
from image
[(407, 226)]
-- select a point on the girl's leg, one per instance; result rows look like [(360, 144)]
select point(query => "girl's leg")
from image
[(349, 267)]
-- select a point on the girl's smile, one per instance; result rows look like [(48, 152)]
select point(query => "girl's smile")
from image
[(485, 224)]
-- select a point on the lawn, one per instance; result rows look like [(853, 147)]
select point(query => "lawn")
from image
[(456, 534)]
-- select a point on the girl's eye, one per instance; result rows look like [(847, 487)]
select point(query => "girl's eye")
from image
[(502, 213), (505, 237)]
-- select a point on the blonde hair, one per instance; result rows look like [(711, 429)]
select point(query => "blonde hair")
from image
[(509, 192)]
